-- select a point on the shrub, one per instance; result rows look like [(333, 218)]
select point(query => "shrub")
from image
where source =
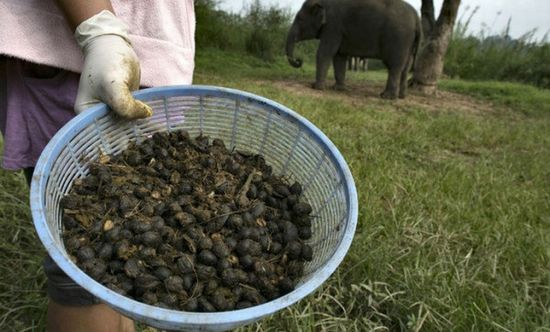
[(267, 28), (498, 56), (216, 28)]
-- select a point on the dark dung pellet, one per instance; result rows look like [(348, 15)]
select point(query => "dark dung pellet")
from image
[(187, 223)]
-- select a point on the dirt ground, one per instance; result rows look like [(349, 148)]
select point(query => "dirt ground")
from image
[(368, 93)]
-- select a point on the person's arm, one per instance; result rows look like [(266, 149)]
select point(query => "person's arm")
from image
[(77, 11), (111, 67)]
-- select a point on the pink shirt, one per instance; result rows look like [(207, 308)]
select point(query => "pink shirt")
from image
[(162, 33), (33, 109)]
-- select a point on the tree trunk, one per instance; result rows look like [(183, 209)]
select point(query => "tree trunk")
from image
[(429, 63), (428, 17)]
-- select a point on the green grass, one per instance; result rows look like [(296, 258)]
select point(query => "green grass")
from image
[(22, 281), (520, 97), (454, 223), (233, 65)]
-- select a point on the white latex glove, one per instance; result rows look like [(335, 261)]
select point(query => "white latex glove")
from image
[(111, 67)]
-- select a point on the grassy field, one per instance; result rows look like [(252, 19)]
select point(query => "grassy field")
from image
[(454, 223)]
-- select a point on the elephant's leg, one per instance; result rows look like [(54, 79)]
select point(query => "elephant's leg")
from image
[(392, 85), (339, 64), (403, 84), (326, 51), (323, 62)]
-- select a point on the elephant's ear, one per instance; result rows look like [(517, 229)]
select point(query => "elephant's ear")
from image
[(318, 9)]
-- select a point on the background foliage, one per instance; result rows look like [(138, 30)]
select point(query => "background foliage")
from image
[(495, 55), (261, 31)]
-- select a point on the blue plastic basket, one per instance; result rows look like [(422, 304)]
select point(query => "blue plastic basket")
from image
[(289, 142)]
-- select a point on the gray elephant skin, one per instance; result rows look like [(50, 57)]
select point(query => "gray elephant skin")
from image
[(389, 30)]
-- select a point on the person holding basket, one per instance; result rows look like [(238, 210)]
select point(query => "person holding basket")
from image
[(58, 58)]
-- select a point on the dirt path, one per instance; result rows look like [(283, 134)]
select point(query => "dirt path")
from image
[(367, 93)]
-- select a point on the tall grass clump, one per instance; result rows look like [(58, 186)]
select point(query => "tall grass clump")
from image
[(22, 280), (258, 30), (497, 56), (267, 30), (216, 28)]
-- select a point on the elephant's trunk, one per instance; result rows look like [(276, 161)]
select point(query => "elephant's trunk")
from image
[(290, 41)]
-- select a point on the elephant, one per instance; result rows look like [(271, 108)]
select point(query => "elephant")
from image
[(356, 63), (389, 30)]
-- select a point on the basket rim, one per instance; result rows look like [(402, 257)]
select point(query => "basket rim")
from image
[(145, 311)]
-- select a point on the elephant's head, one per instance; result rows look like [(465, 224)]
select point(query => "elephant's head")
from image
[(307, 25)]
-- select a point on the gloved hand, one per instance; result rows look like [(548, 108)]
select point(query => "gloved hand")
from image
[(111, 67)]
